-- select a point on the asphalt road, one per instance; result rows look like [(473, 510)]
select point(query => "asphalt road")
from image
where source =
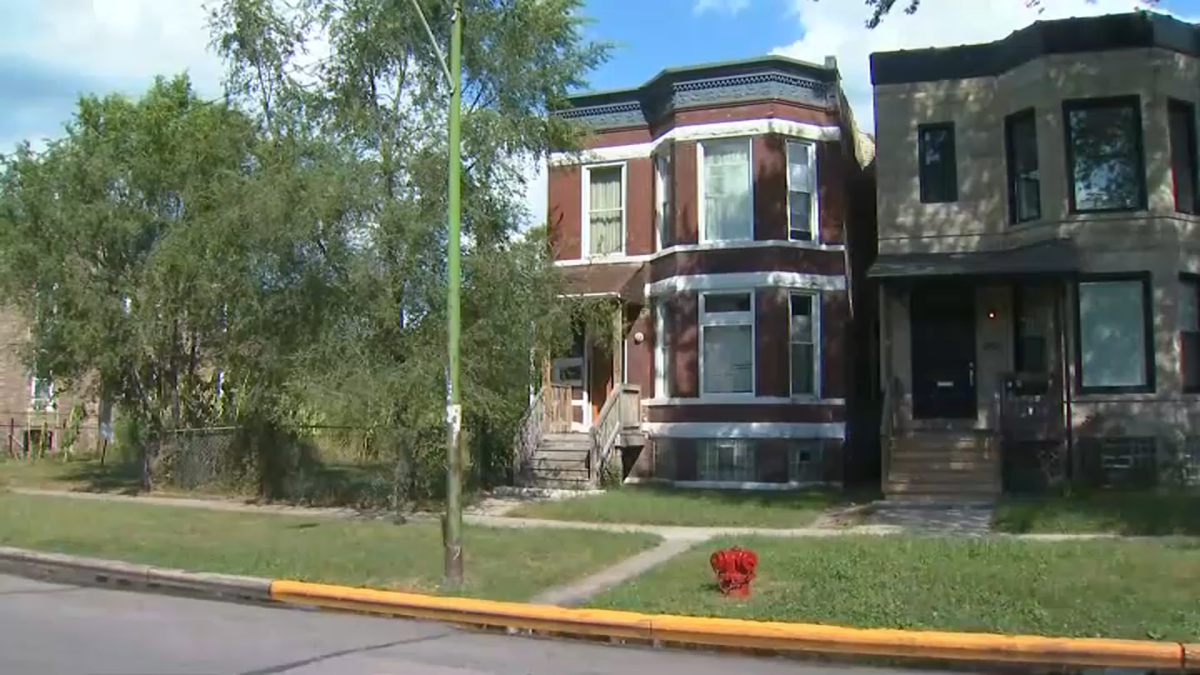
[(50, 629)]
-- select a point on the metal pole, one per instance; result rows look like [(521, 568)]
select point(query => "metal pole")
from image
[(452, 530)]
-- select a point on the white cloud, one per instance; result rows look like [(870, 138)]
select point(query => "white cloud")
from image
[(537, 192), (836, 27), (728, 6), (126, 42)]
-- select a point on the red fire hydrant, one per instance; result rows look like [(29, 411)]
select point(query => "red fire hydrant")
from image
[(735, 569)]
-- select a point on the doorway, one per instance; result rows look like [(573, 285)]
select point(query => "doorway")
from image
[(942, 320)]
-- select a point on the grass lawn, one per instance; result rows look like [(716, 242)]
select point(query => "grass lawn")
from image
[(678, 506), (506, 564), (1125, 513), (1096, 588), (78, 475)]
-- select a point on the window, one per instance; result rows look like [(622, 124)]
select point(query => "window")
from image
[(568, 368), (1114, 335), (937, 164), (41, 394), (1182, 121), (727, 343), (726, 461), (1024, 186), (1033, 326), (1104, 154), (604, 231), (802, 338), (1189, 333), (660, 350), (801, 181), (662, 199), (725, 183)]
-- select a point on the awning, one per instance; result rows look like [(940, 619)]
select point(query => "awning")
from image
[(1055, 257), (626, 281)]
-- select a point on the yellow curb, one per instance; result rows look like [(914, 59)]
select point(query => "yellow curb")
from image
[(742, 634)]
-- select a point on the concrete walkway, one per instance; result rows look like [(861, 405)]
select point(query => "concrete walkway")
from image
[(577, 592)]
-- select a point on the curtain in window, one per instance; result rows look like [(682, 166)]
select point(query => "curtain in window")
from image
[(727, 190), (1112, 334), (728, 359), (604, 211)]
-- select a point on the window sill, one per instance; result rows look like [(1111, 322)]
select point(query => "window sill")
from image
[(740, 399)]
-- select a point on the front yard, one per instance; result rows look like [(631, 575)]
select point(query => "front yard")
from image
[(503, 564), (1103, 512), (1096, 588), (679, 506)]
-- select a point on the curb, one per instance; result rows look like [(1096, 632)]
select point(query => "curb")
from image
[(747, 635), (79, 570), (656, 629)]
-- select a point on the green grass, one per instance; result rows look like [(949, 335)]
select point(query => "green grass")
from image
[(507, 564), (1124, 513), (85, 474), (667, 506), (1095, 588)]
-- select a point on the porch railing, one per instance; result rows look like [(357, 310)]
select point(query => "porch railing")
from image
[(549, 412), (622, 410)]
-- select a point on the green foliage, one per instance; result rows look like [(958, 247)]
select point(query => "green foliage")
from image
[(278, 259), (881, 8)]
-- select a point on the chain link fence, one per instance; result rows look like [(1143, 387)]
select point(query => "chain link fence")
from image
[(319, 466)]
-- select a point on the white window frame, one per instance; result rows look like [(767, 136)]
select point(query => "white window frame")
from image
[(585, 236), (730, 319), (40, 404), (814, 229), (660, 349), (701, 201), (662, 197), (815, 298)]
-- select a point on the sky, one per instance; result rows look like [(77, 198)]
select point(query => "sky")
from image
[(51, 51)]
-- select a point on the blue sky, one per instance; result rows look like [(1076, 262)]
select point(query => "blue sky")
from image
[(53, 50)]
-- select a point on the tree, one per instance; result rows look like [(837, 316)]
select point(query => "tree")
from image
[(165, 261), (881, 8), (380, 96)]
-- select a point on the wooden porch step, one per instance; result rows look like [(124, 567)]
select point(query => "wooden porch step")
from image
[(947, 490), (560, 484)]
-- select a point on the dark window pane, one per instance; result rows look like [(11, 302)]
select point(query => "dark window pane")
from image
[(936, 157), (1024, 183), (1183, 154), (1105, 144), (718, 303)]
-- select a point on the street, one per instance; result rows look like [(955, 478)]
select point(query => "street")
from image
[(51, 629)]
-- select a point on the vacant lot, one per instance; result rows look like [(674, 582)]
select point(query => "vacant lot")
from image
[(501, 563), (1097, 588)]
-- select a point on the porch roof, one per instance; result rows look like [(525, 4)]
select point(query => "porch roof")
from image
[(1054, 257), (626, 281)]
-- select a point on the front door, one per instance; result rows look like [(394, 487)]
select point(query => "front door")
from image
[(943, 351)]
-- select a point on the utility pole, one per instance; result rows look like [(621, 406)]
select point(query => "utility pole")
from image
[(452, 521), (452, 531)]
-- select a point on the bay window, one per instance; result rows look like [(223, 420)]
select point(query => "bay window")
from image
[(800, 179), (802, 340), (727, 343), (604, 211), (1114, 334), (727, 213)]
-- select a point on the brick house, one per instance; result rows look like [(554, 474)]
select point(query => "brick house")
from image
[(725, 211), (30, 409), (1038, 257)]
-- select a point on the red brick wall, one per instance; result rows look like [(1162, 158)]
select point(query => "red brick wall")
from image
[(835, 336), (769, 154), (683, 344), (771, 350), (639, 206), (565, 211), (639, 368), (684, 197), (831, 191), (727, 260)]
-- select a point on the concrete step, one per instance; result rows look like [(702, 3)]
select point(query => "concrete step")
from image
[(907, 463), (942, 489), (923, 476), (560, 484)]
